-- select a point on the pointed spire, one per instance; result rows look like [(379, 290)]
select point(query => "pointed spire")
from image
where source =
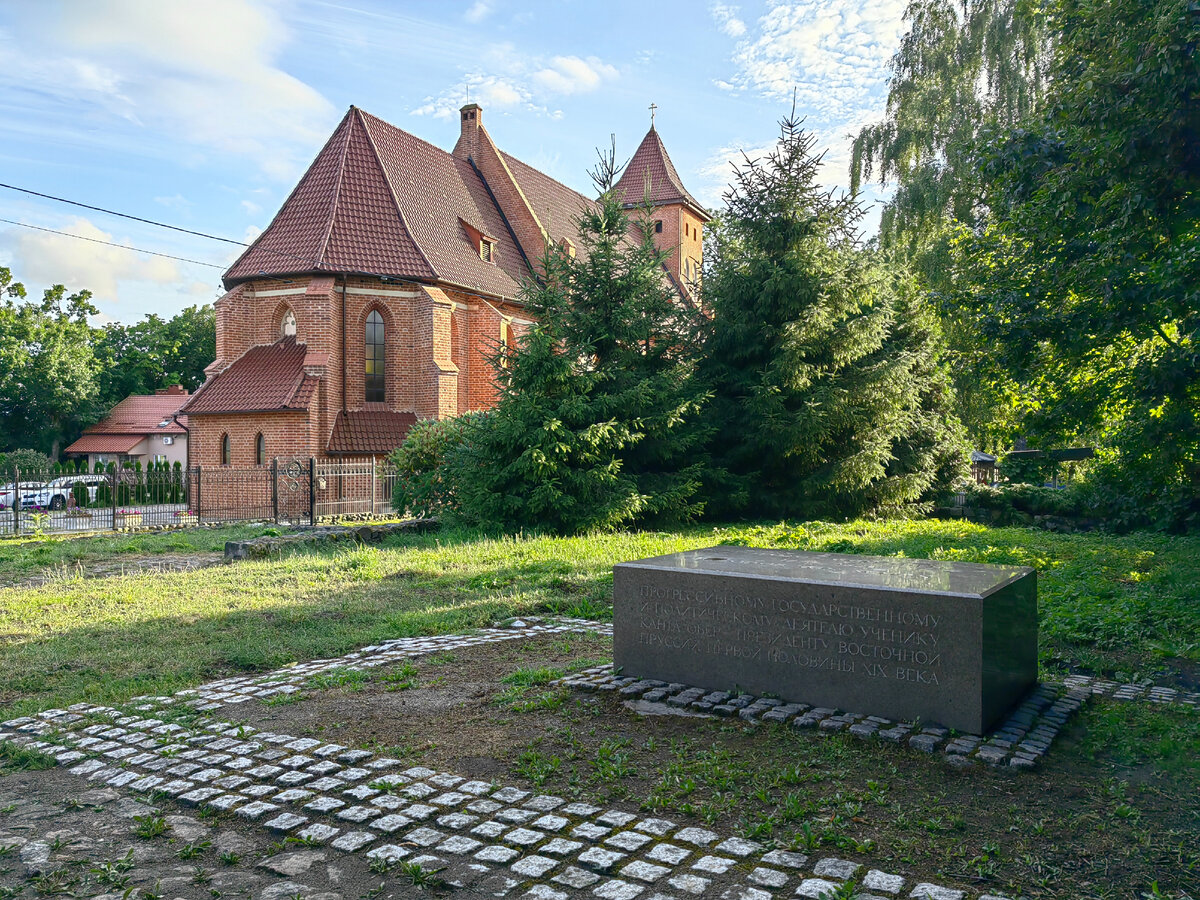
[(650, 175)]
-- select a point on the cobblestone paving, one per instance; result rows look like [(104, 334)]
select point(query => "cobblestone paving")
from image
[(483, 838), (215, 694), (1018, 743)]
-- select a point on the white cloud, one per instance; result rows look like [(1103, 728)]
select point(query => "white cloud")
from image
[(726, 18), (572, 75), (44, 258), (479, 11), (205, 73), (832, 53), (516, 81)]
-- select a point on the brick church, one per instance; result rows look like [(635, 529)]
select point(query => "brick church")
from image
[(389, 276)]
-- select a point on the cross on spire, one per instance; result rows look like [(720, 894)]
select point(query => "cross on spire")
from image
[(653, 109)]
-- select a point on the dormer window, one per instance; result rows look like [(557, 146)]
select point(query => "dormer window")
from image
[(487, 249)]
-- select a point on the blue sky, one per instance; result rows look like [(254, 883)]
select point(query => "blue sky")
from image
[(204, 115)]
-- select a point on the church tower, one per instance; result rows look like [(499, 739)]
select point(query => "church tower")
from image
[(650, 178)]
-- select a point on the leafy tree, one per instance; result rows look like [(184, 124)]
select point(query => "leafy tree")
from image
[(829, 396), (597, 414), (964, 66), (47, 367), (1087, 271), (155, 353)]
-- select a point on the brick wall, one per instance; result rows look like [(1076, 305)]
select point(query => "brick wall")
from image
[(438, 341), (683, 236)]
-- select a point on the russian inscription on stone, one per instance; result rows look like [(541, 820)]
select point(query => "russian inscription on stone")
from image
[(945, 642)]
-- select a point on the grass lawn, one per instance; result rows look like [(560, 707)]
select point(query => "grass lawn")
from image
[(1111, 813), (62, 557), (1119, 606)]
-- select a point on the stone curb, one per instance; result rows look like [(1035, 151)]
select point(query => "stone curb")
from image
[(259, 547)]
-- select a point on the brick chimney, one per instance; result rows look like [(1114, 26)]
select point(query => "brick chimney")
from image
[(470, 121), (172, 390)]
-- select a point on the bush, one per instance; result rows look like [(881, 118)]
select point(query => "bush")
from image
[(423, 486), (1074, 501), (104, 489), (25, 460)]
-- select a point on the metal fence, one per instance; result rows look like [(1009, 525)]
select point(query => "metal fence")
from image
[(286, 491)]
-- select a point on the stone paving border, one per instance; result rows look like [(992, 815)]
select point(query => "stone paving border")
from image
[(504, 841), (260, 547), (1018, 743), (289, 680), (501, 840), (1141, 690)]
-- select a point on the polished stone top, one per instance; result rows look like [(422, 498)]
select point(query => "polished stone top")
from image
[(926, 576)]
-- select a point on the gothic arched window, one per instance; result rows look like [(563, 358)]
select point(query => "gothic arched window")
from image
[(260, 450), (287, 325), (374, 354), (224, 449)]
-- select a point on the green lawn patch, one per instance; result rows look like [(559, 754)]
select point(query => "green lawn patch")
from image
[(29, 556), (1117, 606)]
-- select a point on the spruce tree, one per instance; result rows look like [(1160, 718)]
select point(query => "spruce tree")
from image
[(828, 395), (597, 412)]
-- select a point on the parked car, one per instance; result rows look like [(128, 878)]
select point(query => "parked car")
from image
[(7, 492), (57, 493)]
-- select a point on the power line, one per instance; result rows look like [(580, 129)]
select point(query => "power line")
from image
[(113, 212), (111, 244)]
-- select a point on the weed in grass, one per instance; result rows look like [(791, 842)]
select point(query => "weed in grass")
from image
[(419, 876), (59, 881), (7, 849), (229, 858), (400, 679), (847, 890), (150, 827), (15, 758), (5, 810), (154, 893), (351, 679), (381, 865), (536, 766), (286, 699), (201, 876), (307, 841), (57, 844), (192, 850), (612, 761)]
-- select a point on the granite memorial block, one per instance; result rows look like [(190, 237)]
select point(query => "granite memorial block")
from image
[(945, 642)]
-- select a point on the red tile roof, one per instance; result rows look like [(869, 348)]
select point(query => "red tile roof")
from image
[(555, 204), (105, 443), (266, 378), (374, 432), (379, 200), (651, 170), (141, 414)]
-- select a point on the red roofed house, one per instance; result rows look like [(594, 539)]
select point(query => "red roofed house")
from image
[(390, 274), (141, 428)]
